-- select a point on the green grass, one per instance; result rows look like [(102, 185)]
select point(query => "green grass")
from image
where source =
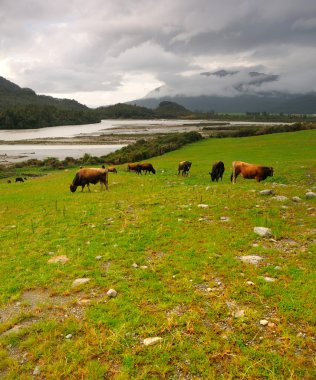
[(192, 281)]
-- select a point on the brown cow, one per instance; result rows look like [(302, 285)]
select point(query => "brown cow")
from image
[(133, 167), (184, 167), (147, 167), (86, 176), (249, 171), (112, 169)]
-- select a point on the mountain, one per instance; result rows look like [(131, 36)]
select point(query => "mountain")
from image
[(231, 91), (12, 95), (22, 108)]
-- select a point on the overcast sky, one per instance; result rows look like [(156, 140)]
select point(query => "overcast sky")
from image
[(102, 52)]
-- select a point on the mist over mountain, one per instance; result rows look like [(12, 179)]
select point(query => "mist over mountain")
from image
[(231, 91)]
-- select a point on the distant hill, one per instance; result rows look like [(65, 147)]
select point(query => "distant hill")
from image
[(163, 110), (271, 103), (23, 108)]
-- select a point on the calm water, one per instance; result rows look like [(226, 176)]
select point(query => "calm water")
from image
[(105, 127), (22, 152)]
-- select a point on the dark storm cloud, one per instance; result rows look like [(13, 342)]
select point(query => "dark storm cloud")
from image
[(121, 47)]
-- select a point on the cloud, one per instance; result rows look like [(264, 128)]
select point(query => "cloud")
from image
[(89, 49)]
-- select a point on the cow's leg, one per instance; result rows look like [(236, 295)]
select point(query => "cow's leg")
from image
[(88, 185)]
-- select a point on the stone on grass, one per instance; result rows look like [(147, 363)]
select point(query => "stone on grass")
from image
[(310, 195), (262, 231), (250, 283), (238, 313), (98, 257), (58, 259), (69, 336), (251, 259), (266, 192), (263, 322), (36, 371), (296, 199), (112, 293), (224, 218), (280, 198), (202, 205), (80, 281), (269, 279), (151, 341), (134, 265)]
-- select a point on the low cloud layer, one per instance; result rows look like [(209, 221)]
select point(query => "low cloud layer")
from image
[(101, 52)]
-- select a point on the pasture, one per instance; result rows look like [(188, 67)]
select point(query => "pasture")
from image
[(170, 246)]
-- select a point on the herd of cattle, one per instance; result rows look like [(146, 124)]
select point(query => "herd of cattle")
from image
[(85, 176)]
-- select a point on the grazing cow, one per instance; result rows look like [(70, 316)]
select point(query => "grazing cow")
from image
[(19, 179), (133, 168), (184, 167), (86, 176), (249, 171), (112, 169), (217, 171), (8, 181), (146, 167)]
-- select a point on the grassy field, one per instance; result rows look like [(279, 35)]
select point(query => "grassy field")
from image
[(174, 264)]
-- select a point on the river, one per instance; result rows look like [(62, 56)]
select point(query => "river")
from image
[(16, 145)]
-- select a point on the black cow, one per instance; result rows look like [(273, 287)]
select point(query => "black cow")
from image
[(184, 167), (19, 179), (217, 171)]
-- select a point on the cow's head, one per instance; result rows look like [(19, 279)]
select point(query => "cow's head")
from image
[(73, 188)]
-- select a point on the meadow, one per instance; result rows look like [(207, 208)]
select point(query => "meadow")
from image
[(170, 246)]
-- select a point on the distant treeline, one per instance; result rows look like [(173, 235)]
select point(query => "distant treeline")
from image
[(256, 130), (38, 116)]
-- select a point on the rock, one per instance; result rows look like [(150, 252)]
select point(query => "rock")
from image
[(266, 192), (262, 231), (310, 195), (296, 199), (58, 259), (144, 267), (271, 324), (238, 313), (151, 341), (251, 259), (134, 265), (69, 336), (250, 283), (269, 279), (80, 281), (111, 293), (280, 198), (36, 371), (224, 218), (263, 322), (98, 257), (202, 205), (84, 301)]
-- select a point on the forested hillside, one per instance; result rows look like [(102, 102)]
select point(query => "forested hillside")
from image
[(23, 108)]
